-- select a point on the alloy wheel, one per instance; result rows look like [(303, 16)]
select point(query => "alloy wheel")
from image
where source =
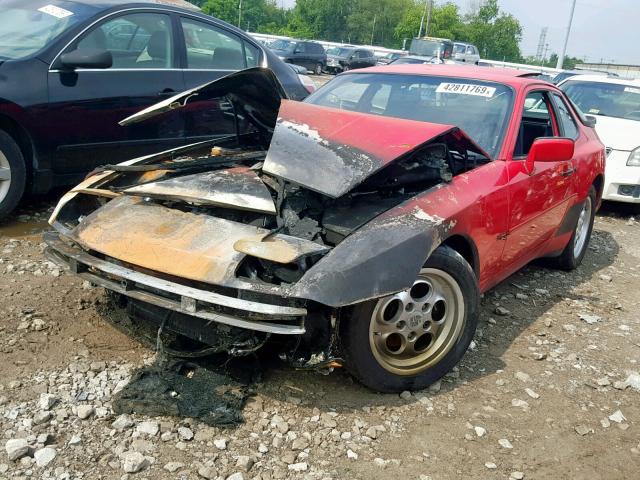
[(5, 176), (582, 228), (413, 330)]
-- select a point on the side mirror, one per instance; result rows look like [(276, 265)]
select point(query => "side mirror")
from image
[(550, 149), (87, 58), (590, 121)]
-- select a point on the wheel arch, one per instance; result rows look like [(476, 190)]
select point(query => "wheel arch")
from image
[(598, 184), (466, 247), (22, 138)]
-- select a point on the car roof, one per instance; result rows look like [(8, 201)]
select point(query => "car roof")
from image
[(603, 79), (507, 76), (114, 3)]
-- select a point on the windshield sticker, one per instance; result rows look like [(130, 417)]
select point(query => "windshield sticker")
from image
[(466, 89), (55, 11), (595, 111), (631, 90)]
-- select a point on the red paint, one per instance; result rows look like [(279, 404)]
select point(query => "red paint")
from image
[(511, 212), (373, 134)]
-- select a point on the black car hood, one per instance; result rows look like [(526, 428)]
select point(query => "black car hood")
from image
[(256, 93)]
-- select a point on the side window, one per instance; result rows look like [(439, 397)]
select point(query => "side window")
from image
[(470, 50), (537, 121), (565, 118), (138, 40), (252, 55), (211, 48), (301, 48), (362, 54)]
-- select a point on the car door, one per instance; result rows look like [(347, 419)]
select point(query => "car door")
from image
[(470, 55), (538, 199), (85, 105), (211, 52)]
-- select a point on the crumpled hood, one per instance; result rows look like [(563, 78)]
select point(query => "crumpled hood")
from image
[(332, 151), (255, 92), (618, 133)]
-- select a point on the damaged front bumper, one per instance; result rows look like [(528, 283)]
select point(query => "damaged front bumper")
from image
[(204, 304)]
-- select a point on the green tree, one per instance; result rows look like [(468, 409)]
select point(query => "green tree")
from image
[(496, 34)]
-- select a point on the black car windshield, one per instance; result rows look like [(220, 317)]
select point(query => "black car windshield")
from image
[(27, 26), (603, 98), (481, 109), (339, 52)]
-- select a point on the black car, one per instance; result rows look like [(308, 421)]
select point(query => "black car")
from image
[(341, 59), (390, 57), (310, 55), (71, 69)]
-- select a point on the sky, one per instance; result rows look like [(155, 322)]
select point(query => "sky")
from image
[(602, 29)]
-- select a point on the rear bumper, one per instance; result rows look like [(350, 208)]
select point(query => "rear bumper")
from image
[(211, 306)]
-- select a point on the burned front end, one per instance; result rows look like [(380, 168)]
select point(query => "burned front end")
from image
[(267, 233)]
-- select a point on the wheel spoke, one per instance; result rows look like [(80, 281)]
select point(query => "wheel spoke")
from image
[(5, 174)]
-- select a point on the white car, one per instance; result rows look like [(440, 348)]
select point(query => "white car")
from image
[(615, 103)]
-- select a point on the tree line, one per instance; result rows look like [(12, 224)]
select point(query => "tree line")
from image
[(388, 23)]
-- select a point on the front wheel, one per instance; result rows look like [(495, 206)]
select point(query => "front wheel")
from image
[(571, 257), (408, 340), (12, 174)]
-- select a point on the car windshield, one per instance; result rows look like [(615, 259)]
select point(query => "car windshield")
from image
[(283, 45), (338, 51), (481, 109), (607, 99), (28, 26)]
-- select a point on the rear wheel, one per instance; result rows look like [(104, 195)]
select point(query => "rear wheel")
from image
[(571, 257), (12, 174), (408, 340)]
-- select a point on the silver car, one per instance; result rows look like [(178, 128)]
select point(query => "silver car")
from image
[(465, 52)]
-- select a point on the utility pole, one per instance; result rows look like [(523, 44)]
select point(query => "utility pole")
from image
[(427, 6), (566, 38), (239, 13), (373, 30), (426, 32)]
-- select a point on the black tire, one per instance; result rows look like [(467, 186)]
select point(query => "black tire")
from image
[(569, 259), (10, 154), (357, 351), (318, 69)]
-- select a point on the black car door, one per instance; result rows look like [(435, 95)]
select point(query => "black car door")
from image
[(210, 52), (85, 105)]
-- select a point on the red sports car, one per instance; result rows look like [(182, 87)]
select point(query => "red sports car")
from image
[(356, 228)]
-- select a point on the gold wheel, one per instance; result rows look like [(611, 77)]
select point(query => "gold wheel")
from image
[(413, 330)]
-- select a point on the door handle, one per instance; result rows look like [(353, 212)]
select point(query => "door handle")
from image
[(167, 92), (568, 172)]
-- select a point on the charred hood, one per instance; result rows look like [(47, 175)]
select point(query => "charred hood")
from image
[(332, 151)]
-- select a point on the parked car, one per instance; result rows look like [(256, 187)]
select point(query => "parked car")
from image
[(417, 60), (310, 55), (70, 70), (387, 202), (431, 47), (342, 59), (466, 52), (615, 103), (390, 57), (562, 76)]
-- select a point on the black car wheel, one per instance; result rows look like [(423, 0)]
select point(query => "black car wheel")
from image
[(346, 68), (12, 174), (571, 257), (408, 340), (318, 69)]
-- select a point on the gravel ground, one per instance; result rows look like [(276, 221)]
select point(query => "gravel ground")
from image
[(550, 388)]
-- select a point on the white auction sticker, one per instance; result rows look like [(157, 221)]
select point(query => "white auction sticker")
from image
[(632, 90), (55, 11), (466, 89)]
